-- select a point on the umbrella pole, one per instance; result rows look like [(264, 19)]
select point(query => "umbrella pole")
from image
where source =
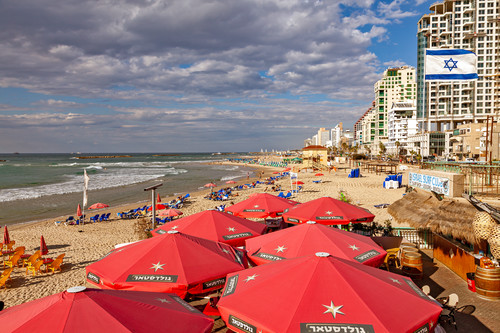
[(153, 199)]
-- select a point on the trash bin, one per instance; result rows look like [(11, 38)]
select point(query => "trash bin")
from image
[(471, 282)]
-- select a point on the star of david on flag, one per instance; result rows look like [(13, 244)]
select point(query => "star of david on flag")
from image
[(450, 65)]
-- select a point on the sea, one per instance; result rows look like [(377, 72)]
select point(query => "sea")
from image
[(34, 187)]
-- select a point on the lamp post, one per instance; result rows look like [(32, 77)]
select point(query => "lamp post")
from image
[(153, 202)]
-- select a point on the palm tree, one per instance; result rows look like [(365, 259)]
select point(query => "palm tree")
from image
[(398, 144)]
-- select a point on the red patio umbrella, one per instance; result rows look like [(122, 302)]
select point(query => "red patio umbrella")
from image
[(287, 169), (170, 212), (327, 211), (158, 207), (319, 174), (171, 263), (276, 172), (209, 185), (43, 247), (216, 226), (98, 205), (6, 237), (261, 205), (322, 293), (79, 210), (81, 309), (158, 199), (298, 182), (309, 238)]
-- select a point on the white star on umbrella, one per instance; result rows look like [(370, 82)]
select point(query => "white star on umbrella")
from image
[(174, 227), (157, 266), (280, 249), (251, 277), (328, 213), (163, 300), (354, 247), (256, 206), (395, 280), (225, 251), (231, 229), (333, 309)]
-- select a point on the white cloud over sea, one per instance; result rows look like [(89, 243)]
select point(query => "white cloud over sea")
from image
[(187, 75)]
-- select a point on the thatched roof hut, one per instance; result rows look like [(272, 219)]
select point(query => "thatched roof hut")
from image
[(421, 210)]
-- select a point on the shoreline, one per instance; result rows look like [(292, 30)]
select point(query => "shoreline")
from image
[(84, 244)]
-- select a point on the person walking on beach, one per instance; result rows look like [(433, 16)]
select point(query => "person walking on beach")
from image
[(248, 175)]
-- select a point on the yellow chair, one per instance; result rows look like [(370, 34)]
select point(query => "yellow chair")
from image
[(56, 264), (13, 261), (4, 277), (19, 249), (35, 267), (31, 260), (392, 256)]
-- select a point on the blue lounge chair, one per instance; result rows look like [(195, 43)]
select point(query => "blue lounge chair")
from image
[(94, 218)]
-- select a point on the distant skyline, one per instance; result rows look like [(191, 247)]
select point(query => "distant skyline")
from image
[(192, 75)]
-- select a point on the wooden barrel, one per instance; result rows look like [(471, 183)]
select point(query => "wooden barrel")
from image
[(488, 283), (411, 263)]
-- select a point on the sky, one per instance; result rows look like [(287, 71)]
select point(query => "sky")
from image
[(192, 75)]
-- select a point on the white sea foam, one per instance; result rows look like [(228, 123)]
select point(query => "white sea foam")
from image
[(74, 183)]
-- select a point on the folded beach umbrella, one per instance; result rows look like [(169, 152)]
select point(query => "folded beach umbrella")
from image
[(98, 205), (158, 198), (322, 293), (43, 247), (170, 263), (309, 238), (261, 205), (327, 211), (81, 309), (216, 226), (79, 210), (6, 236)]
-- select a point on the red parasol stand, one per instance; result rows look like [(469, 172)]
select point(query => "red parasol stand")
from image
[(43, 247), (327, 211), (261, 205), (81, 309), (171, 263), (6, 237), (322, 293), (309, 238), (216, 226)]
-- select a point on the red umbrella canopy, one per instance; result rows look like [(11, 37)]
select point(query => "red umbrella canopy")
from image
[(261, 205), (322, 293), (230, 182), (171, 263), (210, 185), (327, 211), (216, 226), (6, 236), (43, 247), (79, 210), (287, 169), (170, 212), (319, 174), (298, 182), (93, 310), (309, 238), (158, 207), (98, 205)]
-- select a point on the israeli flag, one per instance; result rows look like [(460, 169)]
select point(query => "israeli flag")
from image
[(450, 65)]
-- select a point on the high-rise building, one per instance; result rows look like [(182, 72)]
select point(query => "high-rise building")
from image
[(401, 123), (472, 25), (323, 137), (397, 85)]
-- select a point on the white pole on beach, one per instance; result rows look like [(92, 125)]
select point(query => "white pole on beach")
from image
[(153, 203)]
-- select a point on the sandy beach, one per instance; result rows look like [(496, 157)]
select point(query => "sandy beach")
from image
[(88, 243)]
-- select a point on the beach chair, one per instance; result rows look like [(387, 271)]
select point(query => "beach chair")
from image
[(35, 267), (13, 261), (70, 218), (10, 245), (31, 260), (94, 218), (56, 264), (4, 277), (19, 249)]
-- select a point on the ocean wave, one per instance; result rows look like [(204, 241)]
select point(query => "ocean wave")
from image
[(226, 178), (225, 167), (74, 184)]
